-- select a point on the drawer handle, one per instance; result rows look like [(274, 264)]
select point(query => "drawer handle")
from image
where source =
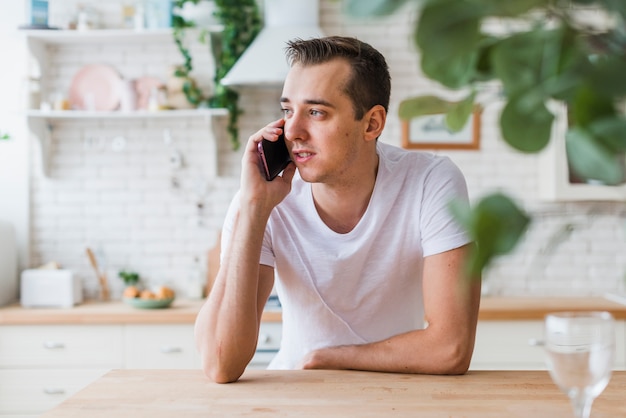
[(264, 339), (171, 350), (54, 391), (533, 342), (53, 345)]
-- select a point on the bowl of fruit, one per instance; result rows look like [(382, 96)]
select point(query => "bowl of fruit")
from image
[(161, 297)]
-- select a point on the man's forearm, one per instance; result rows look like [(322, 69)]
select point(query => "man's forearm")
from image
[(413, 352), (227, 325)]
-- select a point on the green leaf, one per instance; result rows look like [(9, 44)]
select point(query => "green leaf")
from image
[(589, 105), (370, 8), (526, 128), (423, 105), (606, 75), (525, 60), (448, 34), (611, 131), (496, 224), (590, 159), (484, 69), (454, 72), (459, 114), (448, 28)]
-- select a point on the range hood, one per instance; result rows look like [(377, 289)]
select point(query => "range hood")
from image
[(263, 63)]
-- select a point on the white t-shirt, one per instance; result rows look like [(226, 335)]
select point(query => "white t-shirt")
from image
[(366, 285)]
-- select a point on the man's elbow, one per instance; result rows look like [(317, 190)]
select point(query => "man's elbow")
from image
[(457, 359), (219, 373)]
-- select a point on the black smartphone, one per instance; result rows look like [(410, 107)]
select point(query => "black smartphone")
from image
[(274, 156)]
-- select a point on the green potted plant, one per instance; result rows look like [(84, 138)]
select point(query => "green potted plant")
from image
[(241, 22), (550, 54), (130, 278)]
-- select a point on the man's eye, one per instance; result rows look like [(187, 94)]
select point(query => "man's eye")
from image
[(286, 111), (316, 113)]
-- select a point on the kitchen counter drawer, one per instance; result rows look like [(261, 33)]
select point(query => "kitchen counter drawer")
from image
[(270, 334), (507, 345), (26, 391), (160, 347), (60, 346)]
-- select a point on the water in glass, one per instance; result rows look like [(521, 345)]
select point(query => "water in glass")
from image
[(580, 349)]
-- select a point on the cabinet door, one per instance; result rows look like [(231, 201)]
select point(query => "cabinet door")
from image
[(270, 334), (32, 391), (160, 347), (59, 346), (508, 345), (517, 345)]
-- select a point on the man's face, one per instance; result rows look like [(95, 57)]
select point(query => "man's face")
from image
[(324, 139)]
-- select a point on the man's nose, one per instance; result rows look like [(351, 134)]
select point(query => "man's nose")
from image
[(294, 129)]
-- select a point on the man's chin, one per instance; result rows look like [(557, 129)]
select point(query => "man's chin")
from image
[(309, 178)]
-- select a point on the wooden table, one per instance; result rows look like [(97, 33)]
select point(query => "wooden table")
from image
[(325, 393)]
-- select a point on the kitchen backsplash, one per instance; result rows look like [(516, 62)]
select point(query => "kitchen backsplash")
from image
[(115, 188)]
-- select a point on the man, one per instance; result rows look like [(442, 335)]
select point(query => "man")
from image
[(359, 244)]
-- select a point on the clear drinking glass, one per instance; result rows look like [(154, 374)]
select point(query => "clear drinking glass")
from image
[(580, 349)]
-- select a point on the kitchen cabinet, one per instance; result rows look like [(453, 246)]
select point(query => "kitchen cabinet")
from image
[(43, 44), (270, 334), (173, 346), (160, 347), (555, 183), (517, 345), (40, 366)]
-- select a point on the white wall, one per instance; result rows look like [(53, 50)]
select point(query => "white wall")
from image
[(14, 153), (124, 204)]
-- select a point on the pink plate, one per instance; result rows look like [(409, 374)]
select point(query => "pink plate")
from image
[(95, 87), (144, 86)]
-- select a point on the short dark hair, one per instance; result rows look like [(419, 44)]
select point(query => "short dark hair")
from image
[(370, 83)]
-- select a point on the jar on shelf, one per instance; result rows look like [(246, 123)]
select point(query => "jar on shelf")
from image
[(158, 99), (87, 18), (128, 95), (34, 93)]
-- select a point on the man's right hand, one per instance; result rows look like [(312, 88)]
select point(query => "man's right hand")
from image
[(257, 193)]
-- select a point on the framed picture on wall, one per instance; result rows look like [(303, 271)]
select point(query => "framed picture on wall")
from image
[(431, 132)]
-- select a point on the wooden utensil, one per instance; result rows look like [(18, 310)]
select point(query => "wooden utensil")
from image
[(102, 278)]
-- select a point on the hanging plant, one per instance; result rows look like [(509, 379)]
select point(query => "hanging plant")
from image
[(242, 22)]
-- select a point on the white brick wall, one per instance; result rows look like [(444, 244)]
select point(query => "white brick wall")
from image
[(123, 203)]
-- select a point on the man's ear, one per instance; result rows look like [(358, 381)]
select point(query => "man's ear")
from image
[(375, 119)]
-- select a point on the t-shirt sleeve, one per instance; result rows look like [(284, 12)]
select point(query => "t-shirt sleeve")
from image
[(440, 231)]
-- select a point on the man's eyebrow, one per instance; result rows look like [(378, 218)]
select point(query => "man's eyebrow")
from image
[(310, 102)]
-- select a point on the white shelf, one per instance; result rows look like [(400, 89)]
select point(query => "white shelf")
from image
[(106, 35), (139, 114), (40, 122)]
